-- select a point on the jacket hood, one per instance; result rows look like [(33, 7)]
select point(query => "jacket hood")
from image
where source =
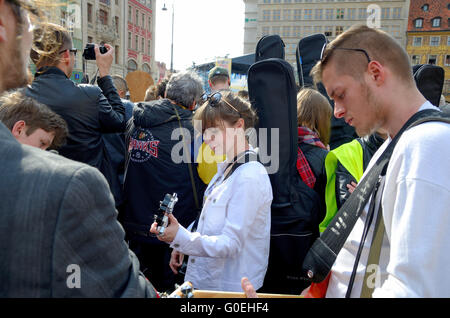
[(155, 113)]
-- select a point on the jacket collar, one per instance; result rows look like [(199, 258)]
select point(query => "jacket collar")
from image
[(49, 70)]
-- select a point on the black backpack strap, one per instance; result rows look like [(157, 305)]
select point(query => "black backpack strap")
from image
[(323, 253)]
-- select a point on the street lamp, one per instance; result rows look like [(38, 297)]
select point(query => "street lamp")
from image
[(171, 47)]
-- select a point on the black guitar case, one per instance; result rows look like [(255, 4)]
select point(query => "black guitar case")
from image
[(309, 50), (269, 46), (294, 213), (430, 81)]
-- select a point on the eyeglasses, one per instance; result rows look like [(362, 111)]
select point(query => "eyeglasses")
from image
[(73, 50), (326, 57), (214, 99)]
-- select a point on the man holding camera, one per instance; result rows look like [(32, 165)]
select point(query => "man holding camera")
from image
[(88, 110)]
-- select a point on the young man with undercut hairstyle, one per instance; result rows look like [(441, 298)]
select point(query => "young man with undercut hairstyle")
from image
[(368, 75)]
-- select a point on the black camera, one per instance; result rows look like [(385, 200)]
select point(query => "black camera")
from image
[(89, 52), (165, 208)]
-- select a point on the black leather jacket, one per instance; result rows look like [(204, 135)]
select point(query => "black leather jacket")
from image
[(88, 110)]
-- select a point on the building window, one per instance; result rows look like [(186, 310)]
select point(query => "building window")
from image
[(149, 23), (129, 40), (339, 30), (130, 13), (415, 59), (297, 14), (286, 31), (328, 31), (297, 32), (385, 12), (136, 43), (146, 68), (329, 14), (417, 41), (362, 13), (418, 23), (436, 22), (103, 16), (447, 60), (432, 59), (149, 47), (89, 12), (276, 15), (435, 40), (136, 18), (265, 30), (266, 15), (448, 40), (276, 30), (307, 30), (318, 29), (116, 22), (339, 14), (287, 15), (395, 31), (266, 1), (318, 14), (397, 14), (132, 66), (143, 45), (116, 54), (351, 13), (425, 7), (307, 14)]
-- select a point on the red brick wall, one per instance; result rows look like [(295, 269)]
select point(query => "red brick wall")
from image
[(436, 8)]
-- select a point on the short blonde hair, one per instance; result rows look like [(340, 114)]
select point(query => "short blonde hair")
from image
[(379, 46), (314, 112)]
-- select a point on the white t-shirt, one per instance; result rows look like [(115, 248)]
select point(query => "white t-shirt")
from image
[(233, 233), (414, 259)]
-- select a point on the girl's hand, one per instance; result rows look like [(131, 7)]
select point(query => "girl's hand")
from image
[(170, 231), (176, 260)]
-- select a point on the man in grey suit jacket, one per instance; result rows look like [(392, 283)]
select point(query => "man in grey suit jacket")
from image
[(59, 235)]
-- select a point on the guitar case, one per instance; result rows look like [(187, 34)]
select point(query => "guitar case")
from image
[(430, 81), (294, 211), (308, 53), (269, 46)]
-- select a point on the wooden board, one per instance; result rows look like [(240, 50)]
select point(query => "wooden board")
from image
[(138, 82), (216, 294)]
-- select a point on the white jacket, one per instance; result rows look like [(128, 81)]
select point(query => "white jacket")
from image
[(233, 234)]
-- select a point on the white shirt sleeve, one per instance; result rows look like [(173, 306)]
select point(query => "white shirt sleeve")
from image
[(242, 210)]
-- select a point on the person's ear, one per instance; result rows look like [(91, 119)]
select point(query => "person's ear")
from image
[(240, 123), (18, 128), (377, 72)]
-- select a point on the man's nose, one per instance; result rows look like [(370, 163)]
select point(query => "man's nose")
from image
[(339, 110)]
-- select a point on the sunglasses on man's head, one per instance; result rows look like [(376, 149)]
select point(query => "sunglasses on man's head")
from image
[(324, 58), (73, 50), (214, 98)]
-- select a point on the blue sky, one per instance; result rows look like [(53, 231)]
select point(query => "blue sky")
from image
[(203, 30)]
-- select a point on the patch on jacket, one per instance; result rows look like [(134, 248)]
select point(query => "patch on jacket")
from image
[(142, 145)]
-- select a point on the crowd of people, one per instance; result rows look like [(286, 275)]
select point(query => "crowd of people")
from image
[(83, 172)]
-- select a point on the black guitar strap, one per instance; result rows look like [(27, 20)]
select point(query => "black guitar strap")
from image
[(323, 253)]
